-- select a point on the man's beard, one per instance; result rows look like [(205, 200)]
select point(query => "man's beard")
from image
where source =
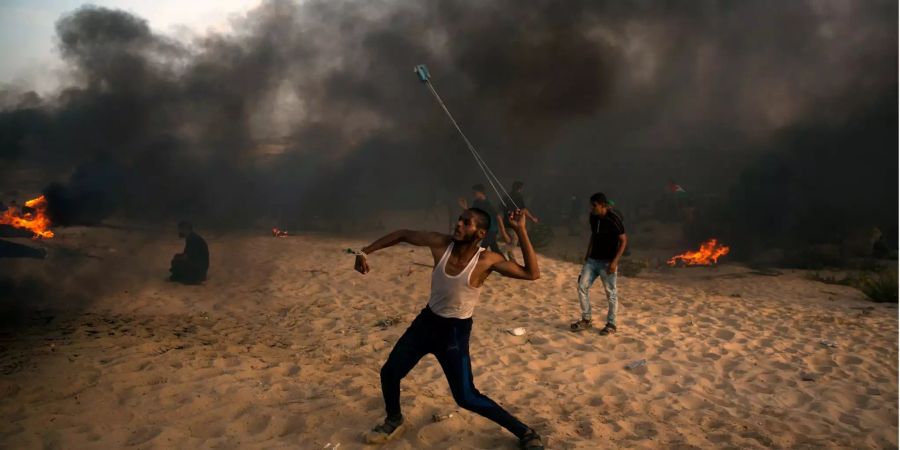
[(467, 240)]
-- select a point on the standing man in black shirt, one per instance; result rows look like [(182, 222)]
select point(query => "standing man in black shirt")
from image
[(481, 202), (518, 202), (515, 194), (608, 241)]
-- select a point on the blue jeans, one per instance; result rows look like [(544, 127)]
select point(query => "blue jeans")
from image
[(448, 340), (592, 270)]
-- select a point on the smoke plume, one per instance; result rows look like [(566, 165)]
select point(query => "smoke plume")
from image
[(311, 109)]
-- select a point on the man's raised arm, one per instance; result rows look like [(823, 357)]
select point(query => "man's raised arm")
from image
[(530, 270), (418, 238)]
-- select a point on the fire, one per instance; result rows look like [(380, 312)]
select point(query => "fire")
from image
[(279, 233), (709, 253), (37, 222)]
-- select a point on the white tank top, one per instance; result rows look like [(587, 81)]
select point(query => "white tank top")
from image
[(452, 296)]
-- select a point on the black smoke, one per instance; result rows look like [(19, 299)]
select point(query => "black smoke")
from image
[(312, 110)]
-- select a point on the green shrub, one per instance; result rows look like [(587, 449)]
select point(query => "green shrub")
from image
[(879, 286)]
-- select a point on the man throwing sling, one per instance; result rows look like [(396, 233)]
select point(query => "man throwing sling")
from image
[(443, 327)]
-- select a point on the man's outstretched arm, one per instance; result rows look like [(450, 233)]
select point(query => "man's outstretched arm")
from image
[(430, 239), (530, 270)]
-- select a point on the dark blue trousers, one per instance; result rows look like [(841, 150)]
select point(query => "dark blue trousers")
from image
[(448, 340)]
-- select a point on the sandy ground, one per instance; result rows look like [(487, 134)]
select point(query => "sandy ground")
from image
[(281, 348)]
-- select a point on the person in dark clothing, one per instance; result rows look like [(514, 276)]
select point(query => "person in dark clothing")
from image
[(607, 244), (518, 202), (481, 202), (515, 194), (190, 266)]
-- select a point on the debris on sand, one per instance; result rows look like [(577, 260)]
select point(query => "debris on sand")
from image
[(384, 324), (436, 417), (518, 331), (827, 343), (636, 364), (766, 272)]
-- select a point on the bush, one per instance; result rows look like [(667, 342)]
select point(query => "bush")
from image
[(879, 286)]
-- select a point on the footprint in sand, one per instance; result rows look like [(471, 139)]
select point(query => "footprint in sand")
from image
[(645, 430), (142, 435), (849, 360), (258, 423), (724, 335), (585, 429)]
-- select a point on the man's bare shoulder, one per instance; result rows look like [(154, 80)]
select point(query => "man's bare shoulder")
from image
[(442, 239), (490, 258)]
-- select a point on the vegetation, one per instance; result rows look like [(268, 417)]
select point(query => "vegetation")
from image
[(880, 286)]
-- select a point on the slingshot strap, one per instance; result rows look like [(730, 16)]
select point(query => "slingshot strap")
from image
[(488, 173)]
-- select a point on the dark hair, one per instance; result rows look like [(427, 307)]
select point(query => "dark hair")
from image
[(517, 185), (484, 219), (478, 188), (600, 198)]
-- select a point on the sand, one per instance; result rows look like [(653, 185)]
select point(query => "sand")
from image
[(282, 346)]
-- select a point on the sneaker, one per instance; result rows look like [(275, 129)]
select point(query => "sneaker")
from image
[(581, 325), (608, 329), (531, 441), (387, 431)]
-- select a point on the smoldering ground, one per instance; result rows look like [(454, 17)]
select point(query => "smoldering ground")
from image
[(311, 110), (81, 266)]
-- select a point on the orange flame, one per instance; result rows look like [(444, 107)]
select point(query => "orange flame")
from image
[(709, 253), (37, 222)]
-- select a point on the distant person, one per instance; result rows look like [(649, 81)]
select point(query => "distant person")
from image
[(516, 195), (605, 248), (190, 266), (517, 201), (481, 202), (444, 326), (880, 247)]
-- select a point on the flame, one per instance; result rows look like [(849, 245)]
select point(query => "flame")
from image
[(37, 222), (279, 233), (709, 253)]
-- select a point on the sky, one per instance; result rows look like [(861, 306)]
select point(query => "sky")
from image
[(27, 34)]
